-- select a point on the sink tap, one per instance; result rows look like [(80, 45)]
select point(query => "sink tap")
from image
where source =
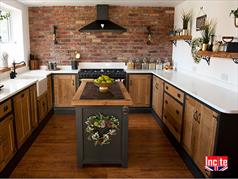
[(13, 73)]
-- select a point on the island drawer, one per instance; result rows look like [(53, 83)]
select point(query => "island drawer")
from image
[(176, 93), (5, 108)]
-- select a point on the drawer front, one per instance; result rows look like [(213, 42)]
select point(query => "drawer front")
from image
[(5, 108), (176, 93), (172, 117)]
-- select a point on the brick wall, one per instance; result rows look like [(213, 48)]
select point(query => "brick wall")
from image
[(99, 46)]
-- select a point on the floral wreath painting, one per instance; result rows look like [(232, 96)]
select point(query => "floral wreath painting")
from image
[(100, 128)]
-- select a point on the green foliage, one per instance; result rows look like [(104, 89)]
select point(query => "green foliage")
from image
[(4, 15), (186, 17), (208, 30), (234, 12)]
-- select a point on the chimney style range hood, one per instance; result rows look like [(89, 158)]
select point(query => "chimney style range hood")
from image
[(102, 24)]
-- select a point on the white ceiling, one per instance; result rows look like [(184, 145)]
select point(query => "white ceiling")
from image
[(156, 3)]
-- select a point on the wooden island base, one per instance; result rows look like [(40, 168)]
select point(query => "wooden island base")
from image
[(115, 152)]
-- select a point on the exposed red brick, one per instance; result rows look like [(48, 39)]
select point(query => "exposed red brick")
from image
[(99, 46)]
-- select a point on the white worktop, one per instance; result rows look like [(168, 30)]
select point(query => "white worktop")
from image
[(219, 98)]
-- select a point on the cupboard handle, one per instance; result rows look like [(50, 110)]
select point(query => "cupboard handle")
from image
[(156, 86), (199, 118), (130, 82), (167, 87), (165, 116), (22, 96), (166, 102), (195, 115), (178, 95), (177, 111), (73, 82)]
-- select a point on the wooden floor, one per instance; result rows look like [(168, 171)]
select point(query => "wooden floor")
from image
[(53, 154)]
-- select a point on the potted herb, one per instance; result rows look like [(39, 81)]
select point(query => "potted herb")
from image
[(235, 13), (207, 32), (4, 15), (186, 17)]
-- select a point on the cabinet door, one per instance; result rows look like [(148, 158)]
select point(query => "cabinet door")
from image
[(204, 136), (7, 142), (140, 90), (22, 116), (49, 93), (172, 117), (192, 108), (33, 106), (157, 96), (42, 106), (64, 90)]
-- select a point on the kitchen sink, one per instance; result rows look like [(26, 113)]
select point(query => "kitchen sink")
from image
[(41, 84)]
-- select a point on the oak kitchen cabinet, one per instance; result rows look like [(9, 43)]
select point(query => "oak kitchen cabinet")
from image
[(22, 116), (140, 90), (64, 90), (33, 107), (49, 93), (157, 95), (42, 106), (7, 141), (199, 130)]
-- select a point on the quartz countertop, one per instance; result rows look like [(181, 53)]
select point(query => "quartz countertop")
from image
[(14, 86), (221, 99)]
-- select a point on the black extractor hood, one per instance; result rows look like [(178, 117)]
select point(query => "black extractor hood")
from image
[(102, 24)]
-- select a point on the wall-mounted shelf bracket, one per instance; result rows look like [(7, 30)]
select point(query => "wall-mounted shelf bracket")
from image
[(189, 42), (235, 60)]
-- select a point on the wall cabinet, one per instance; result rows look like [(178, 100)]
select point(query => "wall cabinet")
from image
[(199, 130), (33, 107), (7, 142), (22, 116), (140, 90), (173, 115), (42, 106), (157, 96), (64, 90), (49, 93)]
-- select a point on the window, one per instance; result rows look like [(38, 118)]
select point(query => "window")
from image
[(5, 26)]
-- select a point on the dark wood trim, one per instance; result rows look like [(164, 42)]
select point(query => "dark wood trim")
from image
[(139, 109)]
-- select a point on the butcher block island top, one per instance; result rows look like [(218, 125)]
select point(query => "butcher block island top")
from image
[(88, 95)]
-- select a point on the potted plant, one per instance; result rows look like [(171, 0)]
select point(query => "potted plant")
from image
[(207, 32), (186, 17), (235, 13)]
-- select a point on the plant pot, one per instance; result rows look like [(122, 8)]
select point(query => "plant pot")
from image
[(185, 32), (236, 21), (204, 47)]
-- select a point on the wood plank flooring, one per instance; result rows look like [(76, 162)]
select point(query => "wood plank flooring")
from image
[(53, 154)]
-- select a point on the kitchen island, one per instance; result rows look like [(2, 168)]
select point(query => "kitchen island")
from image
[(102, 124)]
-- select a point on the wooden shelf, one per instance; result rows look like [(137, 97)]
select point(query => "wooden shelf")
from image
[(186, 38), (206, 55)]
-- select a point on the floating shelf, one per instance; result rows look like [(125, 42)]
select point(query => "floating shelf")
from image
[(206, 55), (186, 38)]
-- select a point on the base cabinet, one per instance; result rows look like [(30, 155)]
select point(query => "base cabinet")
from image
[(157, 96), (7, 142), (64, 90), (49, 93), (42, 106), (173, 115), (22, 116), (199, 130), (140, 90), (33, 107)]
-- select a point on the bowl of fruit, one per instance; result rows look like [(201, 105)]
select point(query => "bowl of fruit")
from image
[(103, 82)]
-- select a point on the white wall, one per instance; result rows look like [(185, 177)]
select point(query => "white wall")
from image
[(20, 35), (223, 72)]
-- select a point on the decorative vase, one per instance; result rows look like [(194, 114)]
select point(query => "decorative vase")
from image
[(216, 47), (236, 21), (204, 47), (185, 32)]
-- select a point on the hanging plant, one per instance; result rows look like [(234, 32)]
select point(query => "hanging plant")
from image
[(196, 46), (5, 15), (100, 128)]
